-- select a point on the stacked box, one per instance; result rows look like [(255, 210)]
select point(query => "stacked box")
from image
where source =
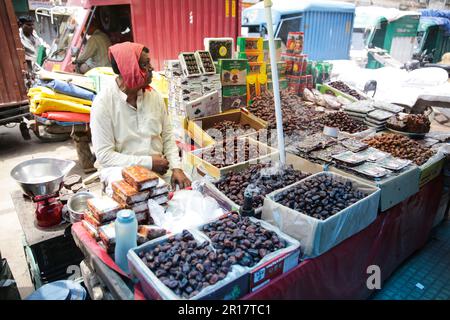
[(251, 49), (233, 75), (250, 44), (278, 50), (296, 64), (133, 192), (219, 48), (183, 91), (294, 43)]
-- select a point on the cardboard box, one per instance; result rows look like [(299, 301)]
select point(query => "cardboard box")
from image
[(266, 153), (233, 72), (235, 288), (297, 163), (394, 189), (197, 129), (269, 271), (189, 64), (207, 105), (318, 236), (205, 61), (274, 263), (234, 97), (431, 169), (220, 48), (248, 44), (257, 56), (256, 68)]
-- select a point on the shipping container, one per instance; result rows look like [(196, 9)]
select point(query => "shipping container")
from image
[(327, 25), (166, 27), (13, 92)]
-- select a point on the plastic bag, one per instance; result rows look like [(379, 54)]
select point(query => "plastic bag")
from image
[(108, 176), (8, 286), (187, 209)]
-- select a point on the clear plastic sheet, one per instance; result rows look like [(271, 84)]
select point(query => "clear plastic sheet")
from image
[(187, 209)]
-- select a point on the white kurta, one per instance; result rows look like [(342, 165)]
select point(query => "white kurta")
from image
[(124, 136)]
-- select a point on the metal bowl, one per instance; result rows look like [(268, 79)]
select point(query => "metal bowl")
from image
[(41, 176), (77, 204)]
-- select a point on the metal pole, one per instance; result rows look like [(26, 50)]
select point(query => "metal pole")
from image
[(275, 83)]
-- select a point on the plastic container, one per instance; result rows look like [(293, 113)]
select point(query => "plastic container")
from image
[(126, 237), (59, 290)]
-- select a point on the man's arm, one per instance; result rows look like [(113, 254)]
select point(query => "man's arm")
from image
[(104, 142), (169, 146), (88, 51)]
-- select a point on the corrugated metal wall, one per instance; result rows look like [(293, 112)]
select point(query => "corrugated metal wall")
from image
[(328, 35), (172, 26), (12, 61)]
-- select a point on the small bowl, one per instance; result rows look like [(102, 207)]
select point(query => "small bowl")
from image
[(77, 205)]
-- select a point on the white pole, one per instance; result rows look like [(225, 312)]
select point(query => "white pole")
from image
[(275, 83)]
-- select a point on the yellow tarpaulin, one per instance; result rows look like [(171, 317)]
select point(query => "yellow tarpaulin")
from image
[(38, 106), (47, 93)]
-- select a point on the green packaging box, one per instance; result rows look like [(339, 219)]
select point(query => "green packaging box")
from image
[(233, 72)]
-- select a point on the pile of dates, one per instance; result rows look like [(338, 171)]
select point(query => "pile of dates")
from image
[(401, 147), (186, 266), (320, 197), (343, 122), (264, 177), (231, 151), (241, 241), (296, 116), (341, 86), (237, 128)]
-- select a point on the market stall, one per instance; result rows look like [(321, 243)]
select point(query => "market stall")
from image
[(360, 185)]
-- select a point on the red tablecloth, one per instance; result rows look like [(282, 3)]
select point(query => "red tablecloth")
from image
[(341, 273)]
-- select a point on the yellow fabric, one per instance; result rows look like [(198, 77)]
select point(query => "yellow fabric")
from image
[(38, 106), (39, 93)]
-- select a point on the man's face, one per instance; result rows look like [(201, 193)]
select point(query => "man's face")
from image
[(145, 65), (27, 28)]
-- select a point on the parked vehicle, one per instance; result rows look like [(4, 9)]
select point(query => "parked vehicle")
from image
[(385, 28), (327, 25), (433, 35), (14, 107), (165, 27)]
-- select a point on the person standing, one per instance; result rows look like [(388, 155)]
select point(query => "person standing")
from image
[(30, 40)]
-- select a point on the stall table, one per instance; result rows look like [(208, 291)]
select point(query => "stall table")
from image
[(340, 273), (48, 251)]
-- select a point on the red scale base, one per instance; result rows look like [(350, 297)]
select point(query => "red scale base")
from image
[(48, 210)]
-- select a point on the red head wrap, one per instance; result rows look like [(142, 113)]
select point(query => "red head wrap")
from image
[(126, 55)]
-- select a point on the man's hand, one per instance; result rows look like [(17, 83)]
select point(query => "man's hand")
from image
[(160, 165), (180, 179)]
